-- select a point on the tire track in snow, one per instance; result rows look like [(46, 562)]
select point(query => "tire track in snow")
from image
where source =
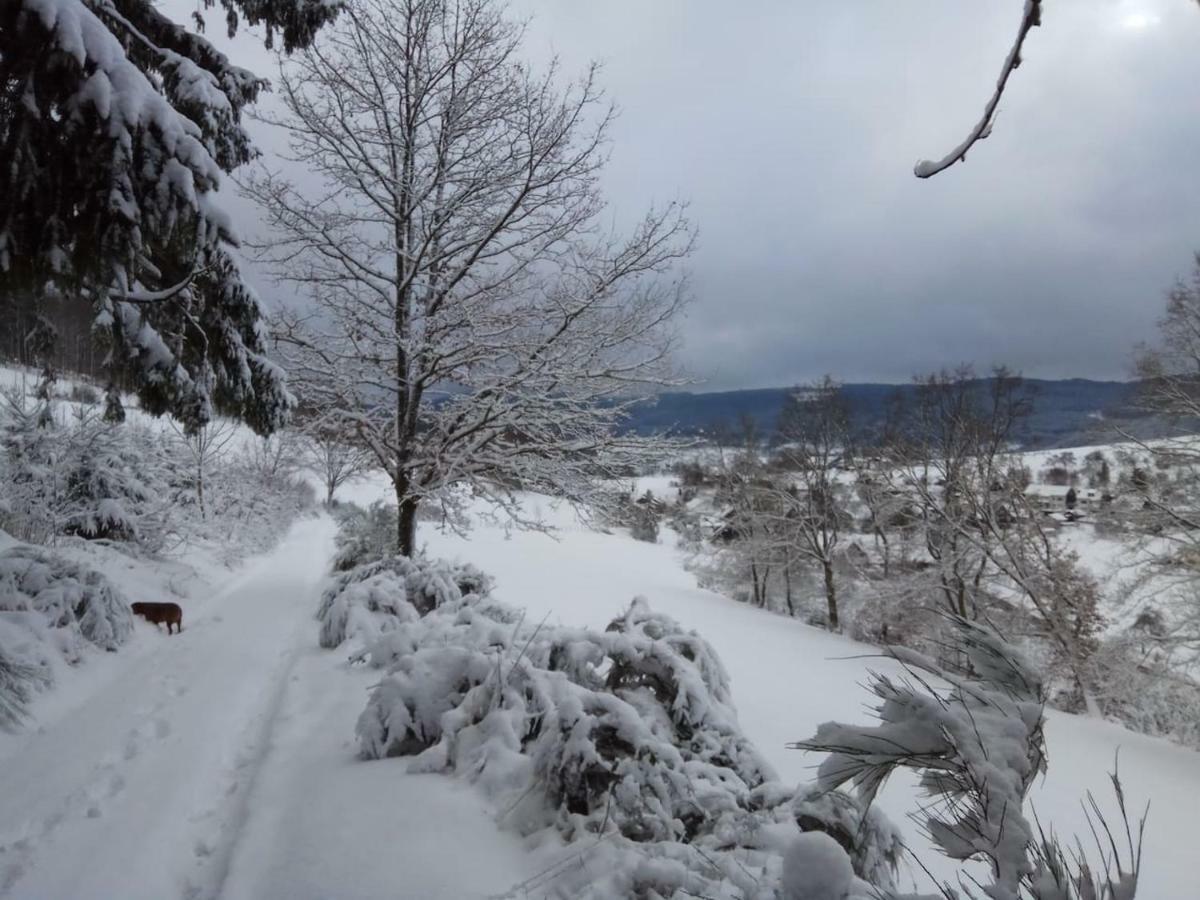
[(214, 848), (140, 792)]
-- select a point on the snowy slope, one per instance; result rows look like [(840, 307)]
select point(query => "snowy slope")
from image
[(221, 763), (788, 678)]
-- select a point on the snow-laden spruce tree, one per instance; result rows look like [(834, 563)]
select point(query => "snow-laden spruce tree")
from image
[(477, 325), (116, 125)]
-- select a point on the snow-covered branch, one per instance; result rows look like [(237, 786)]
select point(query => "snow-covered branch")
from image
[(1031, 18)]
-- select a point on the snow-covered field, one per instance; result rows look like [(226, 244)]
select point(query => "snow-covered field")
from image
[(222, 762)]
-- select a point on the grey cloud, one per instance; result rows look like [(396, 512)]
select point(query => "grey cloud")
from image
[(793, 127)]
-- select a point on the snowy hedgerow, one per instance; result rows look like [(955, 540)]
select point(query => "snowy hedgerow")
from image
[(627, 735), (67, 595)]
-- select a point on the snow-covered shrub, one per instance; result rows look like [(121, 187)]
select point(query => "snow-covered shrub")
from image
[(18, 680), (374, 598), (870, 840), (246, 515), (627, 734), (80, 476), (68, 596), (641, 515), (365, 535), (105, 497), (816, 867), (1147, 690)]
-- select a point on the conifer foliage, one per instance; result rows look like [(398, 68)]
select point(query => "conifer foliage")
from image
[(116, 125)]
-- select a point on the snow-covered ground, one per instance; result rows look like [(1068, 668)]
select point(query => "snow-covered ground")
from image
[(789, 677), (222, 762)]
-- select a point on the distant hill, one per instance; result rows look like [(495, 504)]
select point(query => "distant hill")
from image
[(1068, 412)]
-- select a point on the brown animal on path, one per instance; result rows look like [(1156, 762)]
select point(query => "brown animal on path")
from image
[(160, 612)]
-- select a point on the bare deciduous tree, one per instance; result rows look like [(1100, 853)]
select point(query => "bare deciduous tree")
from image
[(205, 445), (477, 326), (334, 459), (953, 457), (1169, 373), (815, 426)]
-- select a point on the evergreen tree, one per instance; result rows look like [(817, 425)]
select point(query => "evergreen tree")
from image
[(116, 125)]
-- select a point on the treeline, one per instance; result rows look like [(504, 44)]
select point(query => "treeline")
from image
[(936, 516)]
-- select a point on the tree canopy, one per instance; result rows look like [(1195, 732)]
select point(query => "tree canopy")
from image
[(116, 125)]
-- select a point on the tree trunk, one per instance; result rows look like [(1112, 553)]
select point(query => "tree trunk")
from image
[(406, 520), (787, 588), (830, 595)]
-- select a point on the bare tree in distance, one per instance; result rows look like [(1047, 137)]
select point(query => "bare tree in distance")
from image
[(1169, 375), (334, 459), (478, 327), (752, 528), (951, 449), (815, 428), (205, 446)]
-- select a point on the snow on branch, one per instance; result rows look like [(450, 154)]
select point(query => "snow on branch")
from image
[(977, 744), (1030, 19)]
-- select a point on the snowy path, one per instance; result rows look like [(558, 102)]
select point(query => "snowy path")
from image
[(218, 763)]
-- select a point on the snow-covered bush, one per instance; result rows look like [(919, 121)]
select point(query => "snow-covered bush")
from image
[(376, 597), (247, 515), (625, 738), (80, 476), (365, 535), (872, 843), (18, 680), (1148, 691), (68, 596), (51, 609)]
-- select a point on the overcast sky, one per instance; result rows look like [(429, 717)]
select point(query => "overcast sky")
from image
[(792, 127)]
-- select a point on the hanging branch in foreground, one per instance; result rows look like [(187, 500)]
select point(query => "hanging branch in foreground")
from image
[(977, 743), (1030, 19)]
